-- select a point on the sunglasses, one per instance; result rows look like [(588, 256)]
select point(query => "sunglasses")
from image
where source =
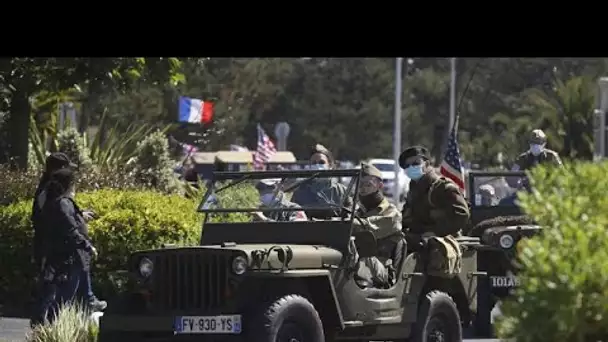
[(318, 162)]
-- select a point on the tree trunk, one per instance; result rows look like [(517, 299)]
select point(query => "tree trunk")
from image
[(170, 104), (90, 107), (18, 125)]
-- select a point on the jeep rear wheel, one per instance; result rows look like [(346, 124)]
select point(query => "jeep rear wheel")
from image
[(438, 319), (291, 318)]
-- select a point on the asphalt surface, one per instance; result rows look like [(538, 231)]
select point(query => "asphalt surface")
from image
[(15, 329)]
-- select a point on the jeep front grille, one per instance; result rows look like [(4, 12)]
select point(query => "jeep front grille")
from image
[(192, 280)]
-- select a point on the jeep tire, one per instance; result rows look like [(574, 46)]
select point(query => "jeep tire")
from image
[(438, 319), (287, 319)]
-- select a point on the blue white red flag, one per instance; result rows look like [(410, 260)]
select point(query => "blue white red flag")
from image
[(195, 110)]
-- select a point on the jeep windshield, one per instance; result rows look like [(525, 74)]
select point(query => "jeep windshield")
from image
[(270, 196), (491, 189)]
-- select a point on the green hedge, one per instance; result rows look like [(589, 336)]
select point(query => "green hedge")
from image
[(18, 185), (564, 291), (128, 220)]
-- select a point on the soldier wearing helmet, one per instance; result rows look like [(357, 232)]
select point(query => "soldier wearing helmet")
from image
[(538, 153)]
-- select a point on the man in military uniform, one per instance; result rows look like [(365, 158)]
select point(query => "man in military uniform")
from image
[(321, 192), (272, 197), (383, 219), (538, 153), (435, 206)]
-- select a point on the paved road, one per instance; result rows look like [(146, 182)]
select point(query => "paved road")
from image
[(14, 330)]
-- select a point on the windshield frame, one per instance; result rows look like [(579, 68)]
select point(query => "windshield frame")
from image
[(354, 174)]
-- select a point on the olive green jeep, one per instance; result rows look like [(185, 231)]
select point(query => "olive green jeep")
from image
[(286, 280), (499, 222)]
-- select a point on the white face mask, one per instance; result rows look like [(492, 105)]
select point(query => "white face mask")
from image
[(536, 149)]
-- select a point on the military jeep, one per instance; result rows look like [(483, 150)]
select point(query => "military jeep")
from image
[(285, 281), (500, 223)]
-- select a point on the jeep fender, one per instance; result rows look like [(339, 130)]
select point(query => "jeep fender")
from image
[(314, 284)]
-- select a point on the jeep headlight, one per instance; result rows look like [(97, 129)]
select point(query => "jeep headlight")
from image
[(506, 241), (239, 265), (146, 266)]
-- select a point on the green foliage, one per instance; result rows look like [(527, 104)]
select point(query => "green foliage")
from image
[(564, 291), (153, 164), (71, 143), (73, 324), (17, 185), (128, 221)]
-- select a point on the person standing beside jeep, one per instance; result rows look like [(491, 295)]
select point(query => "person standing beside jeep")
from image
[(537, 154), (377, 215), (69, 249), (54, 162), (435, 206)]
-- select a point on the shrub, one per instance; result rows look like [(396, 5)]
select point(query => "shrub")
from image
[(17, 185), (154, 167), (564, 291), (20, 185), (73, 324), (70, 142), (128, 221)]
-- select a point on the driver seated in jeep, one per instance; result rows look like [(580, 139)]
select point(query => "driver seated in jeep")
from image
[(380, 217), (271, 196)]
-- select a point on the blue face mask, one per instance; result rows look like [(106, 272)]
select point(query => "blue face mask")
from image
[(319, 167), (269, 199), (414, 172)]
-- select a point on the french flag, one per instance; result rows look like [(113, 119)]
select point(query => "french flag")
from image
[(195, 110)]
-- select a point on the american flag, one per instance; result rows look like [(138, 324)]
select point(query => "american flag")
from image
[(451, 166), (264, 151)]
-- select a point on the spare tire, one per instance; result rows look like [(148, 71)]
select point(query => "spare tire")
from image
[(501, 221)]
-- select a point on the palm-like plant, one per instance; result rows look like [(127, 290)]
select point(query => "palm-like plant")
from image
[(110, 148), (566, 114)]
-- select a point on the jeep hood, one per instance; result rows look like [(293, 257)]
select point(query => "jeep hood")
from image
[(268, 256)]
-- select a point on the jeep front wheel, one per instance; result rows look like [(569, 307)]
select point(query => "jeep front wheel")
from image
[(291, 318), (438, 319)]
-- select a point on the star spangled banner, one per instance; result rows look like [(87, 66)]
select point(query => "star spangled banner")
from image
[(451, 166), (264, 151)]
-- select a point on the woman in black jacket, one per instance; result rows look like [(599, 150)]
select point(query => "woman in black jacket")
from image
[(69, 249)]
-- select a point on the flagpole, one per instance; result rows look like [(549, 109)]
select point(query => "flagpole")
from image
[(397, 127), (452, 92)]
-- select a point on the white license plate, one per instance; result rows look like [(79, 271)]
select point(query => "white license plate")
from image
[(228, 324)]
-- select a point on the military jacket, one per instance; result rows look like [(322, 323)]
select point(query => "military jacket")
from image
[(435, 204), (321, 192), (527, 160), (384, 222)]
